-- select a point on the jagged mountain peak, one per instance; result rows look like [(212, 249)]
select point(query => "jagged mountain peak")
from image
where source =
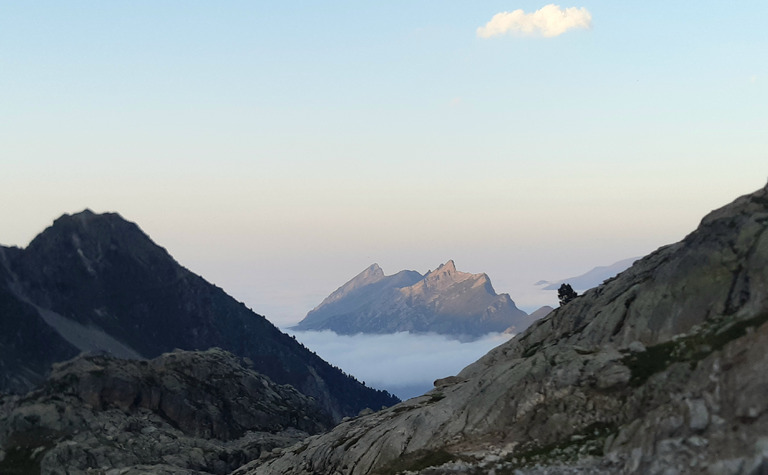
[(360, 291), (372, 273), (446, 276), (86, 228), (449, 267), (94, 244), (445, 301), (84, 214), (88, 216)]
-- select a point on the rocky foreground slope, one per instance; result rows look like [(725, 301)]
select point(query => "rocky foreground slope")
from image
[(183, 412), (662, 369), (444, 301)]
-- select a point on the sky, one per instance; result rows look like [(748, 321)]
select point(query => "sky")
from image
[(280, 148)]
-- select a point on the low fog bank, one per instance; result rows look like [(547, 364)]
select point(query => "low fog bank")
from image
[(404, 364)]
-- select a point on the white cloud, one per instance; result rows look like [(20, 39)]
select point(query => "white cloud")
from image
[(403, 363), (548, 21)]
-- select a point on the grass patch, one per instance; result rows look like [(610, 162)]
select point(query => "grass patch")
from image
[(353, 441), (588, 442), (436, 397), (21, 460), (301, 449), (401, 409), (653, 360), (691, 348), (531, 350), (416, 461), (26, 450)]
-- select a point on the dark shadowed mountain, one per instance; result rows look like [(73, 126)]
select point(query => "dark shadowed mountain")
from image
[(444, 301), (661, 369), (97, 283)]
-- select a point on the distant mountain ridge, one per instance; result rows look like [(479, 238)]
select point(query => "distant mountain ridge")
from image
[(591, 278), (97, 283), (444, 301)]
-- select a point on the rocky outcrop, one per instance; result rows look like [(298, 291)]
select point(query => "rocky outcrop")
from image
[(97, 283), (661, 369), (444, 301), (183, 411)]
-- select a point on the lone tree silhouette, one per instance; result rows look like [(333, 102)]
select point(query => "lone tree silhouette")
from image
[(566, 293)]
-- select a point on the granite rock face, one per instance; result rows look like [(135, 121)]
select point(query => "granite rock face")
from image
[(444, 301), (661, 369), (182, 412)]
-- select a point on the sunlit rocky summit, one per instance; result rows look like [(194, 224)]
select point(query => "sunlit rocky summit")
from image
[(661, 369), (444, 301)]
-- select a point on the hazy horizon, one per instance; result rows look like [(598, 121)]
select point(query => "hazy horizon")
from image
[(279, 148), (285, 298)]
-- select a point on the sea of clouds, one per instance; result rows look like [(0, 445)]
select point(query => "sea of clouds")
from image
[(404, 364)]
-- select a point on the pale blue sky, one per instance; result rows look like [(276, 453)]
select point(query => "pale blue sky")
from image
[(278, 148)]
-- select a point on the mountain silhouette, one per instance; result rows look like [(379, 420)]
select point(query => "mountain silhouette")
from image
[(97, 283)]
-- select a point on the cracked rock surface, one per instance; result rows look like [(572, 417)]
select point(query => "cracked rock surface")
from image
[(183, 412)]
